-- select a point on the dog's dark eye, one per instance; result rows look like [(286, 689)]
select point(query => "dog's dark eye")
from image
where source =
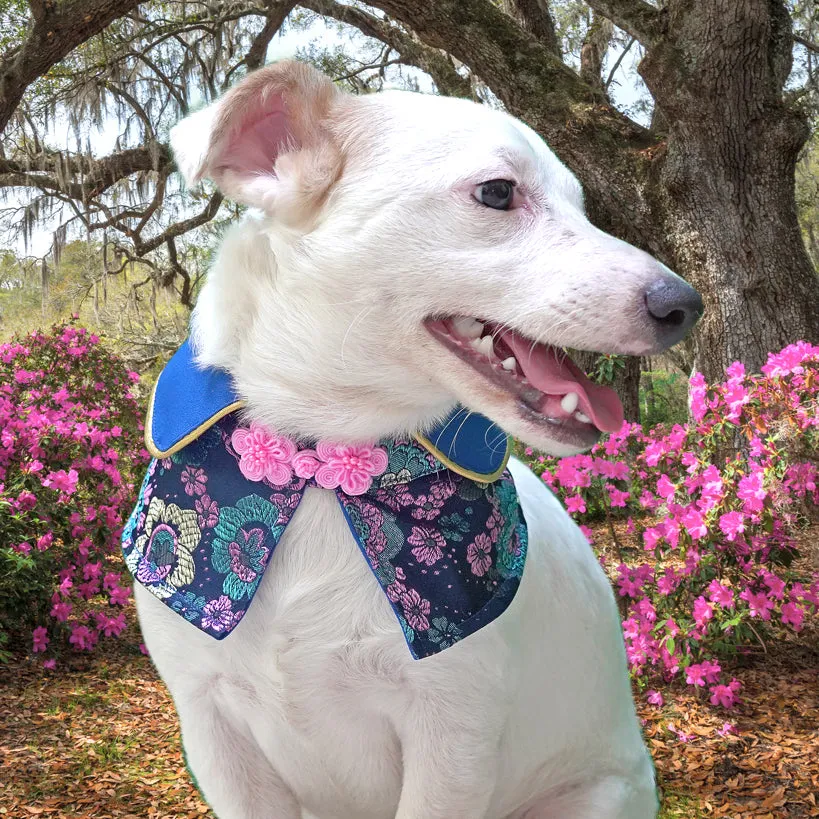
[(496, 193)]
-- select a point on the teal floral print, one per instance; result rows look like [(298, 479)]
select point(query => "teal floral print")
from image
[(243, 541), (443, 633), (453, 527)]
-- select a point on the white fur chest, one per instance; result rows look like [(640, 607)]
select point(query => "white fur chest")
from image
[(318, 688)]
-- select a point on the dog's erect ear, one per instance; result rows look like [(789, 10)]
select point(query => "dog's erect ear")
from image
[(265, 143)]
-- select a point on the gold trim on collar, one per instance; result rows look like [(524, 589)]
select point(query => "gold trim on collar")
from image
[(191, 436), (466, 473)]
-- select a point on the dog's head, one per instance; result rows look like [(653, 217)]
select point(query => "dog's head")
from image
[(406, 253)]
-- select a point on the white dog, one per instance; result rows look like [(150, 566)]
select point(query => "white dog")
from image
[(406, 254)]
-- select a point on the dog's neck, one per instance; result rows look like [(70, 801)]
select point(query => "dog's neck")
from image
[(318, 366)]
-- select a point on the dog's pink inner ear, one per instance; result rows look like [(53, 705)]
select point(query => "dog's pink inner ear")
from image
[(270, 146), (253, 148)]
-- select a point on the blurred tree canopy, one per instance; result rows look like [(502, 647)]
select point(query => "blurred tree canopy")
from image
[(683, 120)]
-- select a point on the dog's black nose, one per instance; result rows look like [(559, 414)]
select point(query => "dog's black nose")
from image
[(675, 307)]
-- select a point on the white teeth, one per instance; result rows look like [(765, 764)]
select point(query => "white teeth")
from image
[(569, 402), (466, 327), (509, 363), (584, 419), (484, 345)]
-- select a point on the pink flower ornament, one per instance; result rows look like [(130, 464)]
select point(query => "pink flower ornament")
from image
[(263, 455), (352, 468)]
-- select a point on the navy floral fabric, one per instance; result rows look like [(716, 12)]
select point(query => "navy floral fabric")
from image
[(447, 551)]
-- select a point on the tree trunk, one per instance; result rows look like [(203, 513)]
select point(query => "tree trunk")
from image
[(628, 388), (724, 186), (648, 388), (44, 289)]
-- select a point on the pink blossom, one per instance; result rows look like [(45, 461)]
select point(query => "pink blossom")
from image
[(39, 639), (82, 638), (617, 497), (671, 530), (665, 489), (646, 609), (44, 541), (697, 391), (711, 670), (721, 595), (575, 503), (681, 735), (727, 728), (111, 626), (569, 476), (751, 492), (703, 611), (725, 695), (119, 595), (794, 615), (775, 584), (736, 396), (654, 452), (732, 524), (62, 481), (789, 360), (61, 611), (669, 581), (694, 524), (695, 675), (651, 537), (759, 603), (50, 664), (647, 500), (655, 698), (110, 581), (735, 371)]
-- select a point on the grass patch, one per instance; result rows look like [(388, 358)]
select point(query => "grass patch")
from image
[(680, 806)]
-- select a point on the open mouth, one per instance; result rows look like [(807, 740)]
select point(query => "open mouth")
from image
[(548, 388)]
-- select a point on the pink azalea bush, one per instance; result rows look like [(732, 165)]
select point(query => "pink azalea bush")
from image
[(70, 448), (717, 503)]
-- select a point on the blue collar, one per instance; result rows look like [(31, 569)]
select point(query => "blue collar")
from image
[(188, 400)]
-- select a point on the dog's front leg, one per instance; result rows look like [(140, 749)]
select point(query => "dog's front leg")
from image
[(450, 758), (235, 777)]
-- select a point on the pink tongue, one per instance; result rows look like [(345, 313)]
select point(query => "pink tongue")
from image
[(554, 373)]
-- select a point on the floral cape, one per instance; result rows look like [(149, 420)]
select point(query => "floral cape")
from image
[(448, 551)]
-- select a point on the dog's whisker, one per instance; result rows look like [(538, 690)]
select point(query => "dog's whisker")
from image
[(347, 333), (340, 303), (446, 426)]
